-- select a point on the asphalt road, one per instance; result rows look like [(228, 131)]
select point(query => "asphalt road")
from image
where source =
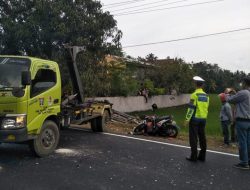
[(86, 160)]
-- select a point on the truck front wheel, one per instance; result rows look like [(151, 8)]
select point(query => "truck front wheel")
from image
[(47, 140)]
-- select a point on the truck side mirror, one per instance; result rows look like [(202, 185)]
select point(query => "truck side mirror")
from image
[(26, 78)]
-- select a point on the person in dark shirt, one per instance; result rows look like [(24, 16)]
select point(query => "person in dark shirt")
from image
[(225, 118)]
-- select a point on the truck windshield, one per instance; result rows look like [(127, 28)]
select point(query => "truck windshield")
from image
[(11, 71)]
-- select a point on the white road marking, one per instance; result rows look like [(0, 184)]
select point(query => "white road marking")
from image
[(169, 144), (157, 142)]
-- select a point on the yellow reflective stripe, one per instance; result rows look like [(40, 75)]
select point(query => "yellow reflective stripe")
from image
[(189, 114)]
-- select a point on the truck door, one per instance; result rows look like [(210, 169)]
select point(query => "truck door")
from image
[(43, 92)]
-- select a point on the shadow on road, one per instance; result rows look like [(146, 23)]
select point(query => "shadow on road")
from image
[(11, 152)]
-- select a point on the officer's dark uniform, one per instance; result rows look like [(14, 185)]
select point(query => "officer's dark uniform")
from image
[(197, 115)]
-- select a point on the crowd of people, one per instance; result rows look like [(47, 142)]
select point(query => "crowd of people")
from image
[(236, 117)]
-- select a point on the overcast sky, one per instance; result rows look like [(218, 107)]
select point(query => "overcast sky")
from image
[(230, 51)]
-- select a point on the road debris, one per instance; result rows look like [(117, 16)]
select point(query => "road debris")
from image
[(124, 118)]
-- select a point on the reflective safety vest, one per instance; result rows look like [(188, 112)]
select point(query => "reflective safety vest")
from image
[(198, 105)]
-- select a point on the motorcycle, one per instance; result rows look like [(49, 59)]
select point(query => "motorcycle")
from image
[(162, 126)]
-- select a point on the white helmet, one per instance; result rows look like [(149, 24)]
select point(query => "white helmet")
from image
[(197, 78)]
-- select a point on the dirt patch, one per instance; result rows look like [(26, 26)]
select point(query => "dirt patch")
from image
[(213, 143)]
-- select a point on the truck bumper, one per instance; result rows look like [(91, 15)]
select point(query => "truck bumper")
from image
[(16, 135)]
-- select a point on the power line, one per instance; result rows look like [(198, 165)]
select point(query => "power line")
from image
[(148, 4), (188, 38), (140, 5), (181, 6), (121, 3)]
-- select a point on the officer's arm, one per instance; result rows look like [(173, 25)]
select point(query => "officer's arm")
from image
[(191, 108)]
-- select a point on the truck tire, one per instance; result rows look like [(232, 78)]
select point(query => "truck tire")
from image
[(47, 140), (97, 124), (94, 125), (105, 119)]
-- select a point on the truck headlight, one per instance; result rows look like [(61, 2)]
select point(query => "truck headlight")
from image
[(14, 122)]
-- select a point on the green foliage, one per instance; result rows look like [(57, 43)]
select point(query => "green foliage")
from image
[(122, 84), (118, 84), (38, 28), (160, 91), (176, 74), (151, 58), (172, 74), (149, 85), (132, 86), (42, 28), (216, 78)]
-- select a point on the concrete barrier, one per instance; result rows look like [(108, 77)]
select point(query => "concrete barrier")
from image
[(138, 103)]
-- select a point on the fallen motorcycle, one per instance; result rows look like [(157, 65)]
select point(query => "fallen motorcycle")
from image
[(153, 125)]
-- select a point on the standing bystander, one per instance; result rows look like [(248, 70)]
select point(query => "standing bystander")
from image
[(225, 118), (242, 102)]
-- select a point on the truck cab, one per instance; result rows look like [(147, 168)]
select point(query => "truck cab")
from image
[(31, 109), (30, 98)]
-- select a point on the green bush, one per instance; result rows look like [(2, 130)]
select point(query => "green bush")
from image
[(159, 91)]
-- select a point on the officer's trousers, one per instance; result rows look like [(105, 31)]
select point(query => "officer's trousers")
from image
[(197, 131)]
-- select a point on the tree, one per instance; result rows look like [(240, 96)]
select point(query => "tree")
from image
[(151, 58), (217, 79), (38, 28), (42, 28), (172, 74)]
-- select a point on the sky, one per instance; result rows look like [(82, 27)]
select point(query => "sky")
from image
[(191, 18)]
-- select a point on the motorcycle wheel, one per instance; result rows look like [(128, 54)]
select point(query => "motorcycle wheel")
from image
[(139, 129), (171, 131)]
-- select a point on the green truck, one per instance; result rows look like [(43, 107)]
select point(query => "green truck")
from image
[(31, 105)]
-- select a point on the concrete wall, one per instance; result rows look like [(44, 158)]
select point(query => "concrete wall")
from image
[(137, 103)]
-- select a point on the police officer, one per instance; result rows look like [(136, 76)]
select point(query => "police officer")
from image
[(196, 118)]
